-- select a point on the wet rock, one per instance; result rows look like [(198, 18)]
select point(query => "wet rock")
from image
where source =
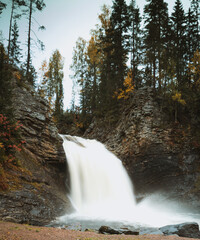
[(190, 230), (109, 230), (156, 231)]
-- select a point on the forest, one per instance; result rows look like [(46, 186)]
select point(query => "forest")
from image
[(126, 52)]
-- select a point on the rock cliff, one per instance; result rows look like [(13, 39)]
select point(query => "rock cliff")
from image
[(160, 158), (37, 191)]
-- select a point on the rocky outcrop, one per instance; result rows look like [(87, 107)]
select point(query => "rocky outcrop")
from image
[(159, 157), (38, 129), (37, 191)]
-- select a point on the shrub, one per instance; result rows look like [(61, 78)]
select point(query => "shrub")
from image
[(10, 141)]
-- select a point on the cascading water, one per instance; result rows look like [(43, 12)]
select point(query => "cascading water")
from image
[(102, 190)]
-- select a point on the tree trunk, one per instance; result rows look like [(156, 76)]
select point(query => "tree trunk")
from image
[(133, 58), (10, 29), (154, 73), (29, 38)]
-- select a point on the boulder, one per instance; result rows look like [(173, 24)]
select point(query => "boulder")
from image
[(188, 229), (109, 230)]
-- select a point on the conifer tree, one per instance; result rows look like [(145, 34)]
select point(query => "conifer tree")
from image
[(136, 43), (120, 26), (6, 85), (179, 40), (105, 47), (16, 4), (79, 68), (55, 82), (2, 6), (156, 16), (195, 6), (93, 60), (14, 44), (32, 5)]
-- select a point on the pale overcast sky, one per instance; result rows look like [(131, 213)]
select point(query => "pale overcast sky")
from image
[(65, 21)]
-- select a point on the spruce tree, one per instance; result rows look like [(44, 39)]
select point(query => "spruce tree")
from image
[(6, 84), (135, 43), (156, 16), (105, 31), (195, 8), (179, 41), (120, 26), (14, 44)]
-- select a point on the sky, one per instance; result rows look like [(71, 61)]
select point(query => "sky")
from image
[(65, 22)]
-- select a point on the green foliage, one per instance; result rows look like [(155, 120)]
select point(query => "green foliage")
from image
[(2, 6), (14, 45), (5, 83), (164, 56), (136, 43), (156, 22), (51, 84)]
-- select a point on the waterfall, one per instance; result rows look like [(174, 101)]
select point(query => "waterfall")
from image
[(100, 185), (100, 189)]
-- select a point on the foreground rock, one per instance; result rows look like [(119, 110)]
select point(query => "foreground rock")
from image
[(13, 231), (109, 230), (190, 230), (37, 191)]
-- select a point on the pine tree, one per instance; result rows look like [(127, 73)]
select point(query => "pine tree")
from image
[(104, 33), (120, 25), (136, 43), (179, 41), (16, 4), (10, 27), (5, 83), (195, 7), (156, 16), (14, 44), (93, 60)]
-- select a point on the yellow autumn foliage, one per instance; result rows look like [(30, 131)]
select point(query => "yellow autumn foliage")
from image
[(17, 75), (194, 68), (128, 88), (79, 125), (177, 98)]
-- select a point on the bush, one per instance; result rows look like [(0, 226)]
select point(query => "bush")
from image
[(10, 141)]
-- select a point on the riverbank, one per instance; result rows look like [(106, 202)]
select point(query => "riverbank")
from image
[(14, 231)]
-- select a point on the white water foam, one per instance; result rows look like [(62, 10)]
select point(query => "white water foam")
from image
[(101, 189)]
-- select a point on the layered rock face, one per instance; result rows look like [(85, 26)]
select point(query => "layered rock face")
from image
[(41, 194), (159, 158), (40, 133)]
